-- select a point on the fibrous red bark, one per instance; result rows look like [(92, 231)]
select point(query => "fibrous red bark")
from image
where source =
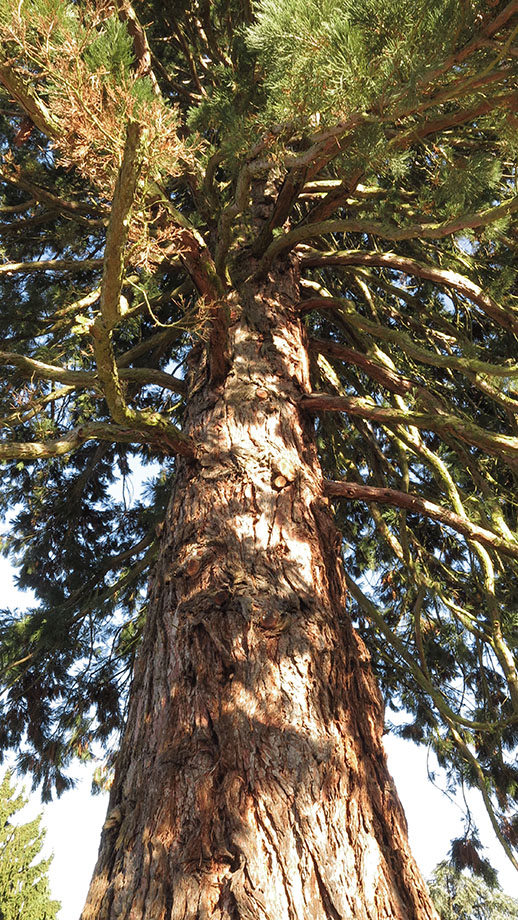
[(251, 782)]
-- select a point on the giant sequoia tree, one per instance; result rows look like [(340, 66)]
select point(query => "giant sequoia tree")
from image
[(267, 248)]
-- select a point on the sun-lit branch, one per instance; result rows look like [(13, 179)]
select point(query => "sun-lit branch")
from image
[(118, 227), (359, 492), (507, 318), (50, 265), (498, 445), (166, 438), (424, 230), (39, 370), (141, 47), (29, 100)]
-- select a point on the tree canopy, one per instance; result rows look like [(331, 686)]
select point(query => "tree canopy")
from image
[(24, 884), (385, 135)]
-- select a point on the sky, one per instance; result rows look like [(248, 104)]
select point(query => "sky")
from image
[(73, 823)]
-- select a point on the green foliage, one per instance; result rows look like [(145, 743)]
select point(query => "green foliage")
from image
[(458, 895), (111, 51), (336, 58), (24, 884), (224, 113)]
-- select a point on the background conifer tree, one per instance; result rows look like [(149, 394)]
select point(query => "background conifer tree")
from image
[(458, 895), (24, 884), (268, 249)]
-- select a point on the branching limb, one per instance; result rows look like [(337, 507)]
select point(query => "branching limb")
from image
[(507, 318), (113, 273), (229, 215), (489, 28), (166, 439), (476, 371), (288, 195), (424, 230), (497, 445), (190, 249), (33, 407), (359, 492)]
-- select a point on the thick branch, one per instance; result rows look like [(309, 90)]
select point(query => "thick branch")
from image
[(288, 194), (168, 440), (388, 378), (336, 197), (360, 492), (150, 376), (405, 343), (498, 445), (152, 424), (16, 208), (29, 101), (423, 230), (118, 227), (190, 248), (140, 43), (50, 265), (506, 318), (229, 215), (451, 120), (328, 144), (39, 370)]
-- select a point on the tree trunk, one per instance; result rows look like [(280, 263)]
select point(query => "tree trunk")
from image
[(251, 782)]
